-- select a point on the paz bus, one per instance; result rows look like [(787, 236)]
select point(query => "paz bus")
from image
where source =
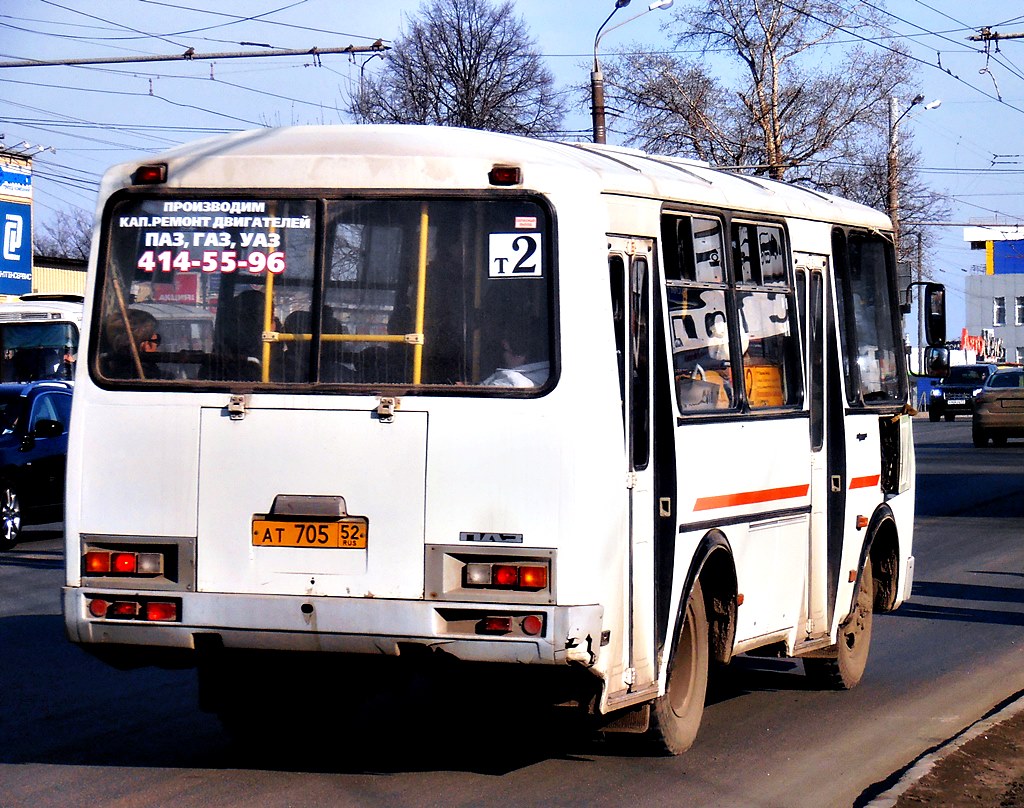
[(592, 420)]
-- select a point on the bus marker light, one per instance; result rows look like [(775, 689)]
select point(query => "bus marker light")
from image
[(98, 607), (161, 610), (123, 562), (532, 625), (151, 174), (862, 522), (495, 625), (97, 562), (505, 575), (505, 175), (533, 577), (852, 576)]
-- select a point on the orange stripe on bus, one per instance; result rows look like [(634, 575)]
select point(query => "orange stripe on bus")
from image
[(865, 482), (750, 497)]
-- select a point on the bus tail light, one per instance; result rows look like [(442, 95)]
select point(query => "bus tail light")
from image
[(142, 609), (532, 625), (529, 577), (496, 625), (110, 562)]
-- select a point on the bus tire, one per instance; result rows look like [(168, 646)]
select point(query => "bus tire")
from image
[(934, 415), (675, 716), (980, 437), (10, 516), (841, 666)]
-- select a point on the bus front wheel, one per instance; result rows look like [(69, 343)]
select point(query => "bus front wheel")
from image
[(675, 716), (842, 665)]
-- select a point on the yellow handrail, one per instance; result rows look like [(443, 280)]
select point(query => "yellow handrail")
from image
[(421, 294)]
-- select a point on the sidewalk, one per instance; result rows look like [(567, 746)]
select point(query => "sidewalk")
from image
[(983, 767)]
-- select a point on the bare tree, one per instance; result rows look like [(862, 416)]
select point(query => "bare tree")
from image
[(463, 63), (67, 235), (799, 98)]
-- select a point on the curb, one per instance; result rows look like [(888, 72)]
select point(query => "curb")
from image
[(923, 765)]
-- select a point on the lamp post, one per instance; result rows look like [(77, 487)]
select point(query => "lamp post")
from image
[(893, 198), (597, 78)]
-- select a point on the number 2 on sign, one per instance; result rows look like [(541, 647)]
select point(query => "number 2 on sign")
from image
[(515, 255)]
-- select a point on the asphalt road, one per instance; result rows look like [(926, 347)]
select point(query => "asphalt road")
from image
[(74, 732)]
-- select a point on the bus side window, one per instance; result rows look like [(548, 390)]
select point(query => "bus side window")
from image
[(699, 328), (771, 350), (699, 313)]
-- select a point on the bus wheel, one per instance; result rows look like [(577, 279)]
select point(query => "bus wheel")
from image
[(10, 516), (980, 437), (675, 717), (842, 666)]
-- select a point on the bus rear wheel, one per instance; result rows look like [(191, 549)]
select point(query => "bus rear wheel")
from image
[(842, 665), (675, 716)]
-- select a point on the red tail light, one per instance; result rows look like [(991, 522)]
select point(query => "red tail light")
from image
[(505, 575), (160, 610), (533, 577), (496, 625), (97, 562), (123, 562), (123, 608)]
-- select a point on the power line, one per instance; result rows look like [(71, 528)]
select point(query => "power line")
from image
[(190, 55)]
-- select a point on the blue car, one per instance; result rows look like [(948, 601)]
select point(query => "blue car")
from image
[(34, 420)]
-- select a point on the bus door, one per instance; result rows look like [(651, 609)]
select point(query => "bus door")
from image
[(827, 441), (630, 263)]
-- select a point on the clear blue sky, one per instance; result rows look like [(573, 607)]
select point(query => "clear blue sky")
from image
[(96, 116)]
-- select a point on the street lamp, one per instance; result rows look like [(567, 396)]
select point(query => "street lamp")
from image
[(596, 78), (893, 198)]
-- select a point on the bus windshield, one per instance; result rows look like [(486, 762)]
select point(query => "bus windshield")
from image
[(327, 292)]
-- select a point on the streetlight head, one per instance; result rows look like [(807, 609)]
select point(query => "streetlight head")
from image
[(660, 4), (917, 100), (621, 3), (934, 104)]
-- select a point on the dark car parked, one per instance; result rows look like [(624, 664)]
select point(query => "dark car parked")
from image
[(34, 420), (954, 395)]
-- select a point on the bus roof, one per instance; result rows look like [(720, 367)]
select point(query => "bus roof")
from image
[(41, 310), (446, 158)]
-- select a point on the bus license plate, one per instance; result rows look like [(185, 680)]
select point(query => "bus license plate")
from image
[(957, 401), (347, 534)]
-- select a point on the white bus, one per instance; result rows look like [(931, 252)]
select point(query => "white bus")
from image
[(39, 337), (587, 417)]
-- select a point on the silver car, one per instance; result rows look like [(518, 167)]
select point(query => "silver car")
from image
[(999, 408)]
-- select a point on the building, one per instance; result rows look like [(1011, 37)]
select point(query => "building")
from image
[(995, 298)]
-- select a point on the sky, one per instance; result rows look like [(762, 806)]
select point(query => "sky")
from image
[(91, 117)]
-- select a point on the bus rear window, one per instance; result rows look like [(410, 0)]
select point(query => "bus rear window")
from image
[(326, 292)]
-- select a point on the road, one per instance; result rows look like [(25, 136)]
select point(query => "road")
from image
[(76, 733)]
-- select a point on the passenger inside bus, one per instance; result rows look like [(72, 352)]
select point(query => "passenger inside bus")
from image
[(120, 361), (522, 356)]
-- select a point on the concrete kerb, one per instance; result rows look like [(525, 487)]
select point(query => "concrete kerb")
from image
[(924, 764)]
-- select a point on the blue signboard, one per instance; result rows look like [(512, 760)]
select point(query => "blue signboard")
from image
[(16, 255), (1008, 257)]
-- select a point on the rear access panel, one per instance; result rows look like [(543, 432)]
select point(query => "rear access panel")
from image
[(363, 481)]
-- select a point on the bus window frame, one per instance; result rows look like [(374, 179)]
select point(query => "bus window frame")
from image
[(732, 289), (322, 197), (848, 339)]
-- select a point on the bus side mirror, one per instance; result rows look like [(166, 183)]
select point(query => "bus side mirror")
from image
[(936, 362), (935, 315)]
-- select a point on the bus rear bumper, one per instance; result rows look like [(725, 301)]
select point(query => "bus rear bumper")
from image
[(468, 631)]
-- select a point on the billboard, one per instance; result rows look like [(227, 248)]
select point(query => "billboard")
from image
[(15, 225)]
